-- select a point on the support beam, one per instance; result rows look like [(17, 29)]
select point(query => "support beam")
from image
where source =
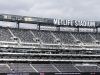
[(78, 28), (18, 25), (39, 26), (58, 28), (96, 29)]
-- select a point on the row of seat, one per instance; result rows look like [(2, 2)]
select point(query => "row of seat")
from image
[(53, 37), (26, 67), (50, 57)]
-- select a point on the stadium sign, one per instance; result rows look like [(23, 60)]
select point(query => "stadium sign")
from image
[(37, 20), (74, 23)]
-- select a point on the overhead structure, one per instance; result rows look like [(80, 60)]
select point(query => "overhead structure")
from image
[(47, 21)]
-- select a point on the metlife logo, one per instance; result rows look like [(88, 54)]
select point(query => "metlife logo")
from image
[(74, 23)]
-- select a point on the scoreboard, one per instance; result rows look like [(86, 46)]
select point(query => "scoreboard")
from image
[(49, 21)]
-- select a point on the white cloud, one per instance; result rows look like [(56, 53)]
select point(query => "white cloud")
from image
[(65, 9)]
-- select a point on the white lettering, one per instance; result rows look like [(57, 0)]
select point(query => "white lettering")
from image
[(68, 22), (72, 22), (84, 22), (76, 23), (59, 22), (55, 21), (81, 23)]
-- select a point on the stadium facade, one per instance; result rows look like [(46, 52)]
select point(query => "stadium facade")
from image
[(52, 51)]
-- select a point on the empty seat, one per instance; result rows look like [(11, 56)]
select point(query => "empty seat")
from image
[(88, 68), (21, 67), (66, 68), (44, 68)]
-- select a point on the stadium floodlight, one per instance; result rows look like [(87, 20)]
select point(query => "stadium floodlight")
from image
[(66, 48), (89, 48)]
